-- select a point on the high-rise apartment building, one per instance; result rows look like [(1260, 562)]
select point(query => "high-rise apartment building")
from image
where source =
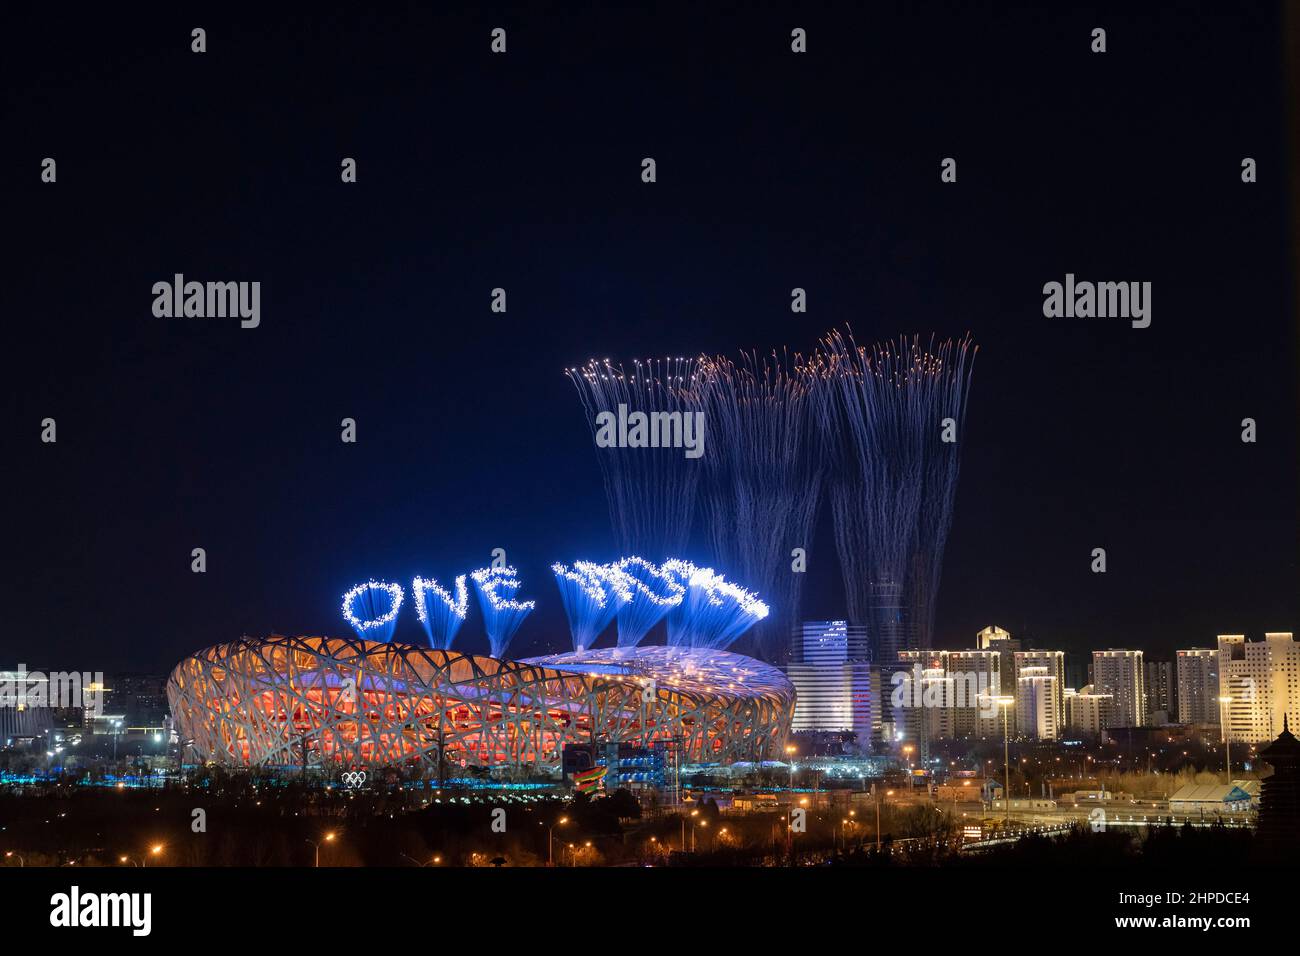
[(1262, 678), (949, 694), (923, 699), (1038, 715), (1198, 686), (1160, 691), (1121, 674), (979, 672), (1054, 663), (991, 633), (1087, 712), (994, 638)]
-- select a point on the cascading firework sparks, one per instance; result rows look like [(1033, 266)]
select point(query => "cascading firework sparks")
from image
[(651, 491), (502, 614), (764, 477), (654, 592), (592, 595), (377, 603), (895, 476), (714, 612), (439, 613)]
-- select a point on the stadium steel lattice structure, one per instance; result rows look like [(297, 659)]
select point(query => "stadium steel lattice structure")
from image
[(347, 703)]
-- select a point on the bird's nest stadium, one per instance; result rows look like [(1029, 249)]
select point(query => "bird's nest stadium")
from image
[(348, 702)]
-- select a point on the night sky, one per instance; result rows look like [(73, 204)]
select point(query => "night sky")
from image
[(522, 171)]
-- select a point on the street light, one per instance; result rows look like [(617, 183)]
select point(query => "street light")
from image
[(789, 752), (327, 838), (1004, 703), (694, 813), (126, 859), (11, 853), (573, 852), (703, 823), (1227, 747), (550, 840), (155, 850)]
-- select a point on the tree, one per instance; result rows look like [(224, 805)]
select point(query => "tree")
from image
[(622, 804)]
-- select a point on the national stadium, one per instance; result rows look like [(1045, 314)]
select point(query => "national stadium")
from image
[(350, 702)]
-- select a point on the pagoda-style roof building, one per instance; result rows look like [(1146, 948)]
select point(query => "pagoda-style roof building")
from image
[(1279, 801)]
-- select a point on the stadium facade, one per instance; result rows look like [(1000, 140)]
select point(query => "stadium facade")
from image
[(346, 702)]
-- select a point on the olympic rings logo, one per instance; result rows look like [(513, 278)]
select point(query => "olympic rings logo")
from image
[(354, 780)]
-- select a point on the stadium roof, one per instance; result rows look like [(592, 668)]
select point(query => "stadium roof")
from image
[(695, 670)]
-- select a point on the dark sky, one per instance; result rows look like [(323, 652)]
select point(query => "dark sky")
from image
[(523, 171)]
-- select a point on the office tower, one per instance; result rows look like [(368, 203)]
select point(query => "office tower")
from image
[(893, 624), (836, 697), (1198, 686), (836, 688), (1038, 715), (1120, 673), (1263, 680), (892, 628), (830, 642)]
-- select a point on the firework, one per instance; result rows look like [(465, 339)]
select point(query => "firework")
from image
[(714, 612), (865, 423), (371, 609), (592, 596), (651, 490), (895, 476), (439, 613), (502, 614), (764, 476), (654, 592)]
